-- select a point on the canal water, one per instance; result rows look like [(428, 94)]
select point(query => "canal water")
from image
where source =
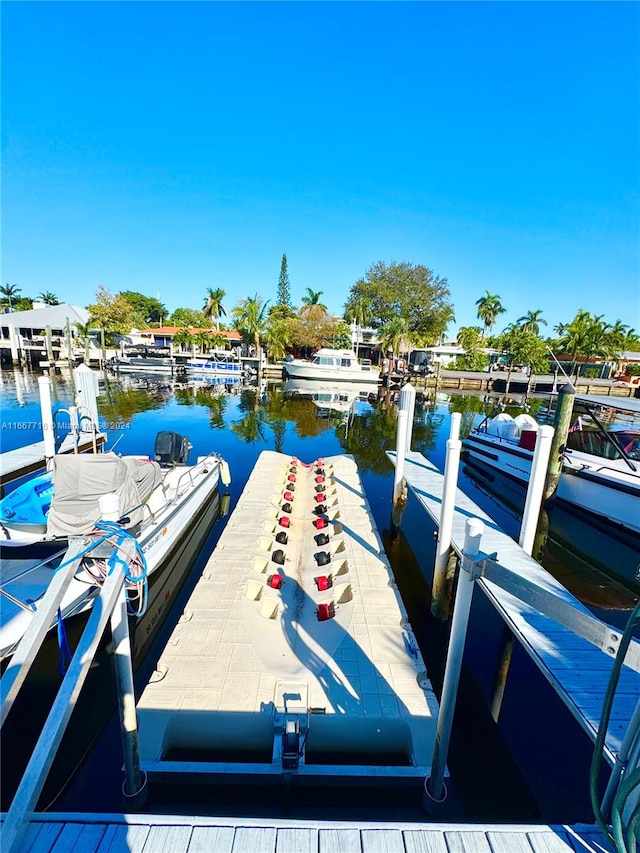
[(498, 771)]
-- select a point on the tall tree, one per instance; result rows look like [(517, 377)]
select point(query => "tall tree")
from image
[(114, 314), (249, 317), (284, 290), (213, 306), (183, 338), (312, 297), (188, 317), (146, 309), (9, 293), (405, 290), (48, 298), (531, 321), (395, 336), (489, 309), (362, 316)]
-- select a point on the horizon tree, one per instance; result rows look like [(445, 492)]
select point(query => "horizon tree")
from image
[(489, 308), (284, 289), (213, 306), (48, 298), (408, 290), (395, 336), (9, 292), (249, 317), (531, 321)]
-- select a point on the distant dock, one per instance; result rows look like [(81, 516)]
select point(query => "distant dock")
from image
[(293, 657)]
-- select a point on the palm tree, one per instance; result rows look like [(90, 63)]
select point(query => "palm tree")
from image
[(278, 337), (213, 306), (183, 338), (531, 321), (362, 315), (48, 298), (395, 336), (313, 298), (203, 340), (250, 319), (9, 292), (489, 308)]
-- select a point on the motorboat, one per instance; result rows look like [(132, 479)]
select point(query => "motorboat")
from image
[(600, 466), (216, 364), (144, 359), (332, 365), (145, 506)]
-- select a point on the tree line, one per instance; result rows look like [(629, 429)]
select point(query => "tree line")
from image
[(407, 305)]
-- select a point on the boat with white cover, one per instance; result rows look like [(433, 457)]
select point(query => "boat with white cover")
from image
[(144, 506), (600, 467), (332, 365)]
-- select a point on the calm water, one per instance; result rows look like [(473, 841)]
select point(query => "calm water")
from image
[(241, 422)]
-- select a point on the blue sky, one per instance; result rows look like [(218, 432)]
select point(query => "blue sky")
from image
[(170, 147)]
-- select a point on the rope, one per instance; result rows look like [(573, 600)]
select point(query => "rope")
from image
[(616, 837)]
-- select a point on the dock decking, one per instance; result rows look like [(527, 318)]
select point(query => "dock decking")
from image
[(315, 673), (577, 669), (63, 833), (26, 460)]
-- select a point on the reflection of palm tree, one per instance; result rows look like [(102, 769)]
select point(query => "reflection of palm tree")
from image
[(213, 306)]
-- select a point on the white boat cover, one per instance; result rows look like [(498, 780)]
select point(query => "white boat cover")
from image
[(81, 480)]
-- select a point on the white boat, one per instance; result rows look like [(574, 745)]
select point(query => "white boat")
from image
[(144, 359), (218, 364), (157, 502), (600, 469), (332, 365)]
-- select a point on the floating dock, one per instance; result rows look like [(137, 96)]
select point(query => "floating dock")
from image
[(294, 656)]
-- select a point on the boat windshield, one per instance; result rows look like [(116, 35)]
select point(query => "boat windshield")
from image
[(324, 360), (593, 441)]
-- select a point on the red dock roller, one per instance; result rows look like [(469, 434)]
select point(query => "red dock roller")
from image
[(325, 611), (275, 581), (284, 521), (320, 497), (288, 496), (324, 582), (321, 523)]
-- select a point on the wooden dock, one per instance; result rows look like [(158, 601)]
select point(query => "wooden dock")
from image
[(287, 629), (27, 460), (578, 670), (82, 833)]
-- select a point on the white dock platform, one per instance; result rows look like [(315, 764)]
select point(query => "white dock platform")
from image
[(577, 669), (81, 833), (306, 679)]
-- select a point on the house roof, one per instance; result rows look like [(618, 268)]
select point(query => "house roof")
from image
[(52, 315), (170, 331)]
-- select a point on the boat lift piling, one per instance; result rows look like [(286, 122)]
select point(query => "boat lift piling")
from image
[(561, 425), (539, 469), (46, 414), (435, 790), (406, 407), (439, 603)]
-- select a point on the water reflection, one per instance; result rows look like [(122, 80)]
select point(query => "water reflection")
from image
[(310, 419)]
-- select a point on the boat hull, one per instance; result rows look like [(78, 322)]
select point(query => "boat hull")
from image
[(304, 370), (604, 491)]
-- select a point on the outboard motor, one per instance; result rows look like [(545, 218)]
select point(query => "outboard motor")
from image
[(172, 448)]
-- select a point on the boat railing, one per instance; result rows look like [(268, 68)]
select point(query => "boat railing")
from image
[(109, 606)]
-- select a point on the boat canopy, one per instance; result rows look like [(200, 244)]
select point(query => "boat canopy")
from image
[(81, 480)]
